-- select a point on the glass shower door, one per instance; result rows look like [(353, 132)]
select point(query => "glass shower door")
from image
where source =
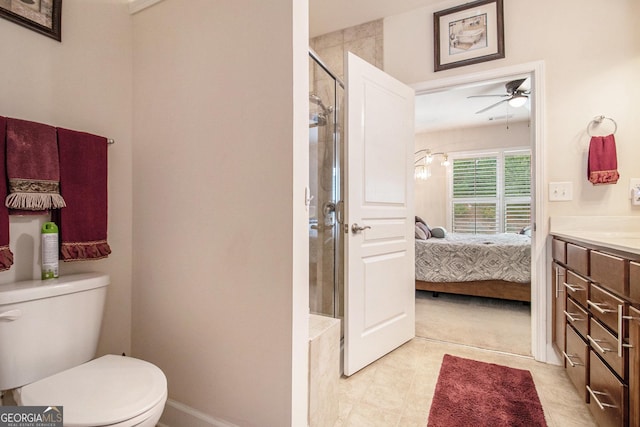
[(324, 181)]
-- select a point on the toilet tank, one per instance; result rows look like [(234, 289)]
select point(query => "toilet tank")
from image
[(47, 326)]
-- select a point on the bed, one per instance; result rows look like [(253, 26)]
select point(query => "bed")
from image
[(487, 265)]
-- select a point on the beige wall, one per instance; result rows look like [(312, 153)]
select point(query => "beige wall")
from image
[(431, 195), (591, 52), (221, 296), (82, 83), (220, 301)]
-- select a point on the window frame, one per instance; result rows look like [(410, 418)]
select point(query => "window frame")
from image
[(500, 199)]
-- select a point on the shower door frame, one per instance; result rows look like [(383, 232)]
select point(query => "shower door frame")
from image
[(338, 141)]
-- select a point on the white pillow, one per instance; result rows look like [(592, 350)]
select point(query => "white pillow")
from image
[(420, 234)]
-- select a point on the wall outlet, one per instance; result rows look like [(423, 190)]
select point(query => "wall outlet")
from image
[(560, 191)]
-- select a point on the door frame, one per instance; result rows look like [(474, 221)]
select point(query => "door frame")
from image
[(541, 347)]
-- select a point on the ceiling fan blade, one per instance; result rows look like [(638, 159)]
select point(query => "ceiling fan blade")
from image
[(484, 96), (491, 106), (514, 85)]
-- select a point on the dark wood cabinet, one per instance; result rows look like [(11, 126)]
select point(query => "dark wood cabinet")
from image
[(606, 394), (634, 367), (558, 301), (634, 281), (578, 259), (576, 357), (596, 327), (610, 269)]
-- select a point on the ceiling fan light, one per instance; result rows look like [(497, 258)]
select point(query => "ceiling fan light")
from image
[(518, 101)]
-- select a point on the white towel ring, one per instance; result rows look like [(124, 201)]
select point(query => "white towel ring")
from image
[(598, 120)]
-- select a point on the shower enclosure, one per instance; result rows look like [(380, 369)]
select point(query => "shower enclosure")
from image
[(326, 254)]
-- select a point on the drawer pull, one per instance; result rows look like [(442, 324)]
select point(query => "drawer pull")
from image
[(622, 318), (597, 305), (571, 362), (595, 395), (596, 343), (575, 288), (636, 319), (573, 317), (558, 274)]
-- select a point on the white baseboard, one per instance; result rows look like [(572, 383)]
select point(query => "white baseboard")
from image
[(177, 414)]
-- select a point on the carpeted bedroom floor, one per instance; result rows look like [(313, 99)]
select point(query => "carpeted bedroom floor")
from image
[(486, 323)]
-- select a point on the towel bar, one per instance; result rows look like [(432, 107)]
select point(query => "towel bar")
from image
[(598, 120)]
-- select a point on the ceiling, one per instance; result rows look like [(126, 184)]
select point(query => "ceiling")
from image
[(326, 16), (434, 111), (453, 109)]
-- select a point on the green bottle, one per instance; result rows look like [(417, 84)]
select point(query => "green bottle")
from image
[(49, 234)]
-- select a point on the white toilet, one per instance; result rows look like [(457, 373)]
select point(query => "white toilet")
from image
[(48, 335)]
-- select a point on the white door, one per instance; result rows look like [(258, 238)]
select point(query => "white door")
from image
[(379, 221)]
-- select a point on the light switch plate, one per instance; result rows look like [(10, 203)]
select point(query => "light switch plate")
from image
[(560, 191), (634, 185)]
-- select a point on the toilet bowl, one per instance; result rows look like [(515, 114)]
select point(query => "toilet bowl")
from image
[(108, 391), (49, 332)]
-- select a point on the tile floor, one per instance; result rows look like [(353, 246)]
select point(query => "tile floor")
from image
[(396, 390)]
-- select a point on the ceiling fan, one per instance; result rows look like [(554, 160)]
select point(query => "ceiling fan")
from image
[(516, 96)]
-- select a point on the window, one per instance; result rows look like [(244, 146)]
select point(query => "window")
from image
[(490, 192)]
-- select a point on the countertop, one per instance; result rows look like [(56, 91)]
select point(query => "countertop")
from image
[(616, 232)]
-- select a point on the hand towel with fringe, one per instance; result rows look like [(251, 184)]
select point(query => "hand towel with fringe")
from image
[(602, 165), (6, 256), (32, 166), (83, 183)]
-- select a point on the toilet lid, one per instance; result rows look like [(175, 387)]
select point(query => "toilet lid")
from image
[(104, 391)]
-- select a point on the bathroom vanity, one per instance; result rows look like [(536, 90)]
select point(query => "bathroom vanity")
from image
[(596, 312)]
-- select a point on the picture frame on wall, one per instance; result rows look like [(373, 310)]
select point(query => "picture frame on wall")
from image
[(468, 34), (42, 16)]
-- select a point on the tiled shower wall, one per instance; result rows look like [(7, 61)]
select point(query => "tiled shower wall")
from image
[(364, 40)]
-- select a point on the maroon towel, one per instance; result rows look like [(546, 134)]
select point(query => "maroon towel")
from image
[(32, 166), (6, 257), (83, 183), (602, 166)]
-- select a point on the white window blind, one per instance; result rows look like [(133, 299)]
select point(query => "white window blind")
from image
[(475, 195), (517, 191), (491, 192)]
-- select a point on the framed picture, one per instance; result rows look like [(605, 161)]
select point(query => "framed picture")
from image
[(468, 34), (42, 16)]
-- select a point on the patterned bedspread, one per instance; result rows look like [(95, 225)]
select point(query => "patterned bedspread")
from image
[(471, 257)]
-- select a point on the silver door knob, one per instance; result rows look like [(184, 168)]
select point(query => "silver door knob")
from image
[(355, 228)]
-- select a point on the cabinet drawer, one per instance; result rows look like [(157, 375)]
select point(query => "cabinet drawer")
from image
[(577, 288), (559, 250), (575, 360), (606, 394), (577, 317), (610, 271), (603, 305), (634, 367), (578, 258), (558, 308), (606, 346), (634, 281)]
